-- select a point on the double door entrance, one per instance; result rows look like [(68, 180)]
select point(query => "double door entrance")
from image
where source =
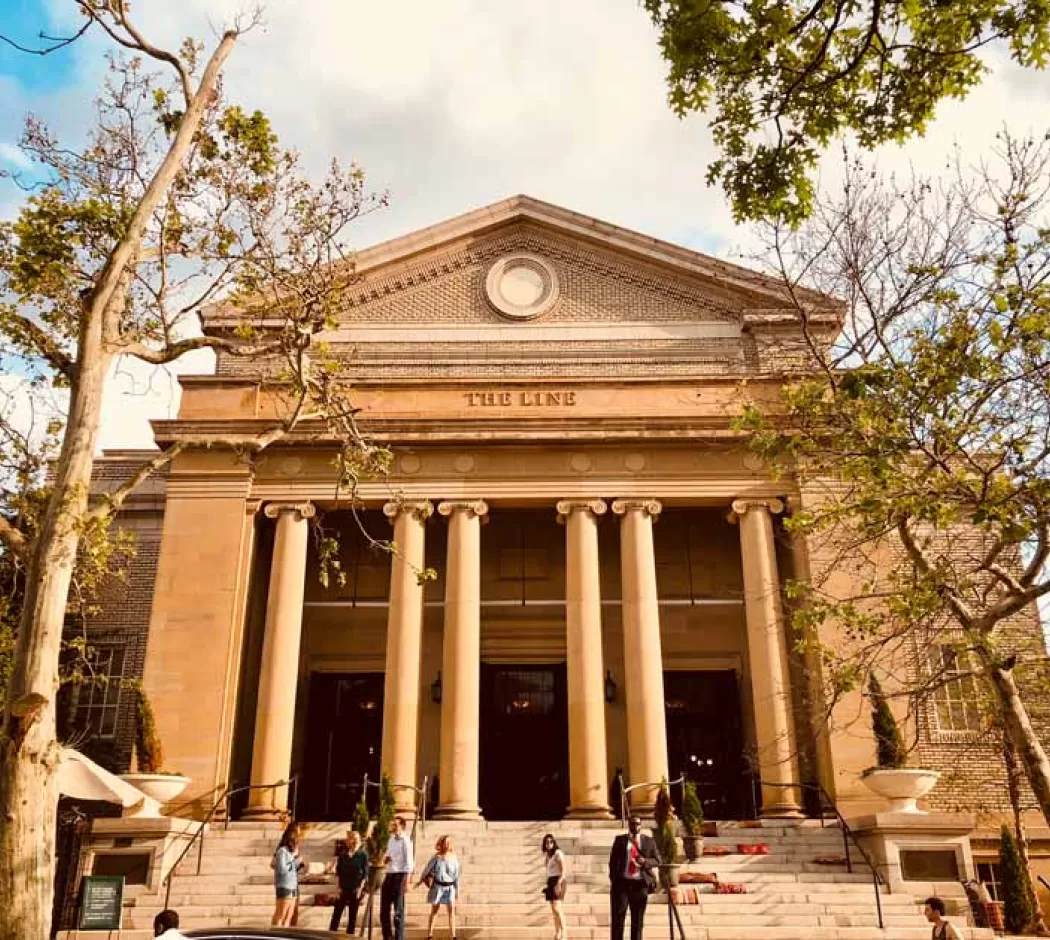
[(524, 742), (524, 752)]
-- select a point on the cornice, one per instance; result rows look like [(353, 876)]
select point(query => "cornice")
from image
[(450, 429)]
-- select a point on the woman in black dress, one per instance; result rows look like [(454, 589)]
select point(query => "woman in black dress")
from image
[(554, 859)]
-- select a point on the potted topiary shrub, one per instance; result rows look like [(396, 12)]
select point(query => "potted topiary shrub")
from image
[(665, 838), (898, 784), (161, 785), (378, 837), (692, 822)]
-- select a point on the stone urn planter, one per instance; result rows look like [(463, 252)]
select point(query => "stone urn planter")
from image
[(694, 847), (161, 787), (669, 875), (901, 788)]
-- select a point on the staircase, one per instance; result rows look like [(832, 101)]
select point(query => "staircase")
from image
[(789, 895)]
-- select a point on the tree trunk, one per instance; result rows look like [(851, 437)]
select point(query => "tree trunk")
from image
[(1026, 742), (29, 751)]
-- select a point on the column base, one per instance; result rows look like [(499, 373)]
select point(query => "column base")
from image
[(589, 811), (782, 811), (457, 812), (266, 814)]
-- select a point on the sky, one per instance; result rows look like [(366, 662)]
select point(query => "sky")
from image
[(450, 106)]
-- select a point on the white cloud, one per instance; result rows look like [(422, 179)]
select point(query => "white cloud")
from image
[(457, 104), (11, 155)]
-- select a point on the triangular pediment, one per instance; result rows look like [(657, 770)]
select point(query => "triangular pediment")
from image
[(524, 288), (583, 245)]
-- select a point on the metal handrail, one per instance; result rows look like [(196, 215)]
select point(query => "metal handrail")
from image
[(420, 817), (198, 836), (848, 836), (624, 790), (673, 917)]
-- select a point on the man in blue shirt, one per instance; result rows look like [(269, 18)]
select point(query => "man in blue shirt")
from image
[(399, 865)]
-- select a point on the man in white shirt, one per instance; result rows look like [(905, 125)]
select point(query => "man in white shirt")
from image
[(166, 926), (399, 865)]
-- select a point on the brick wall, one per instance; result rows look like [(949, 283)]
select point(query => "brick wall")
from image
[(125, 602)]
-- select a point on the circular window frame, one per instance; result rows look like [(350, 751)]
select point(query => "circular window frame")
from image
[(547, 299)]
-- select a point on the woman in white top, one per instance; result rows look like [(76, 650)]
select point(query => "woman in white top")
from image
[(555, 890)]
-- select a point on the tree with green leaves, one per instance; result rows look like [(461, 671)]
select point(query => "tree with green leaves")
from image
[(178, 199), (782, 80), (915, 424)]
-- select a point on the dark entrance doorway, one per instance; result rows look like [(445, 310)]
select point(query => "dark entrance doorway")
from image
[(524, 742), (344, 734), (705, 740)]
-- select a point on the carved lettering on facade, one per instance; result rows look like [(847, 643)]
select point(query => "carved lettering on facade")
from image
[(527, 399)]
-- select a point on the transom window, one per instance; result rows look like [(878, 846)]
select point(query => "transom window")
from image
[(528, 692), (956, 697), (97, 696)]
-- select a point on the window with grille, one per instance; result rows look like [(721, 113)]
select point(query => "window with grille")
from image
[(956, 698), (97, 697), (528, 692), (988, 875)]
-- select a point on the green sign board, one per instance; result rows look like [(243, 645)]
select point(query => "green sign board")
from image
[(101, 900)]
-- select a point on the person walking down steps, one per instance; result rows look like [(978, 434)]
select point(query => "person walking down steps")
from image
[(633, 864), (441, 876), (399, 864), (554, 892), (351, 869)]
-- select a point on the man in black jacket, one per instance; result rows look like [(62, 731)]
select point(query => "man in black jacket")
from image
[(633, 864)]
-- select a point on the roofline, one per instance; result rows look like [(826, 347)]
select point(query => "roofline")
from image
[(768, 291)]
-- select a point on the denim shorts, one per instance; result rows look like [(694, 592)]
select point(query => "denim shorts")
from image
[(285, 894)]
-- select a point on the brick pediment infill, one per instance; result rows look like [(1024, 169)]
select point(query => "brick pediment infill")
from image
[(447, 288)]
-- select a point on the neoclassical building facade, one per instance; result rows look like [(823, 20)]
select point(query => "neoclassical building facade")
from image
[(587, 565)]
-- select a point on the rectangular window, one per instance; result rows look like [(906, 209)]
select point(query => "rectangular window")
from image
[(988, 875), (98, 695), (956, 698)]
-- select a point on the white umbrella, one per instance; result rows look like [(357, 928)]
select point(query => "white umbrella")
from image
[(81, 778)]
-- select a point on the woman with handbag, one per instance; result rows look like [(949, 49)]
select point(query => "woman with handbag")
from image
[(555, 890), (441, 876)]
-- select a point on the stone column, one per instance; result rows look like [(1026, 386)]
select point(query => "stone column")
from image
[(404, 648), (643, 657), (461, 662), (588, 791), (767, 654), (279, 672)]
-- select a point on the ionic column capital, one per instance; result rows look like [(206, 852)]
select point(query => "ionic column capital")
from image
[(304, 510), (650, 507), (740, 507), (566, 507), (475, 507), (420, 509)]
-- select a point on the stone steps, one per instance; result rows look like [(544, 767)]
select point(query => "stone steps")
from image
[(790, 897), (655, 929)]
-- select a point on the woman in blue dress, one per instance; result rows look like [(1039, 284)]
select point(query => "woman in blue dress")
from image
[(441, 876)]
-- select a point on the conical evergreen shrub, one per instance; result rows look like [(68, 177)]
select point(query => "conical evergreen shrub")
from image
[(892, 755), (1014, 886)]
